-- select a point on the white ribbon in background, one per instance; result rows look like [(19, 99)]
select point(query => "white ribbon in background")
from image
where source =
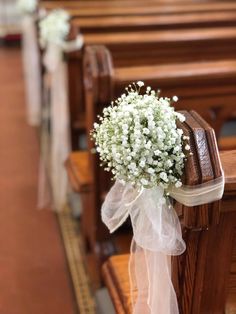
[(32, 70), (156, 237), (59, 117)]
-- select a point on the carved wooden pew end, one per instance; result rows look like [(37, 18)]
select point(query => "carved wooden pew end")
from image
[(204, 258)]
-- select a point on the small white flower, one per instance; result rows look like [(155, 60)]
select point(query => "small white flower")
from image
[(151, 170), (146, 131), (142, 163), (144, 181), (178, 184), (180, 116), (132, 166), (148, 145), (163, 176), (169, 163), (157, 152), (187, 147), (175, 98), (140, 83)]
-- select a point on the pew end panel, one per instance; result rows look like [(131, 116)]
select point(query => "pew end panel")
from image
[(75, 90), (202, 274), (98, 93), (98, 73)]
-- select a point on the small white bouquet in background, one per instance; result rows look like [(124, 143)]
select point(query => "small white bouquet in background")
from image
[(54, 27), (27, 6), (139, 141)]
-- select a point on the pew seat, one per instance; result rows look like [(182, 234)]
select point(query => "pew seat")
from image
[(78, 171), (116, 278)]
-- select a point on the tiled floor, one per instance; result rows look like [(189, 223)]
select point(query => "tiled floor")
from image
[(34, 277)]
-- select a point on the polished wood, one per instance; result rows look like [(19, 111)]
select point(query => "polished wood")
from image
[(227, 143), (207, 86), (78, 169), (137, 48), (116, 277), (173, 21), (228, 159), (206, 283), (99, 92), (119, 3), (201, 85), (154, 8), (142, 48), (76, 161)]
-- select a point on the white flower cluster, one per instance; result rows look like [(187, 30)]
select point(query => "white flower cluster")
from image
[(138, 139), (27, 6), (54, 27)]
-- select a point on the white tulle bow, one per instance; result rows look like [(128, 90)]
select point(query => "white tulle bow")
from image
[(59, 117), (156, 237)]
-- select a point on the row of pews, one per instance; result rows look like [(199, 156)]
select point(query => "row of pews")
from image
[(185, 48), (131, 46)]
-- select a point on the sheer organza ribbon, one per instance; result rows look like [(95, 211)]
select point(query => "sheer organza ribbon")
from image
[(59, 118), (156, 237), (31, 66)]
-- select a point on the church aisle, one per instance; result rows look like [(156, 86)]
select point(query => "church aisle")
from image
[(34, 277)]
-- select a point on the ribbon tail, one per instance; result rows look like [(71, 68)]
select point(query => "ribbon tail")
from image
[(151, 287), (60, 139), (139, 283), (31, 64)]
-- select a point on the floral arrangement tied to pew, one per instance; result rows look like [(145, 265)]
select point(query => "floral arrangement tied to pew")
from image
[(54, 29), (27, 6), (138, 140)]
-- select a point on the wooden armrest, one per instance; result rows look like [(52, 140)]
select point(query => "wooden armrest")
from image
[(228, 159), (227, 142), (78, 170)]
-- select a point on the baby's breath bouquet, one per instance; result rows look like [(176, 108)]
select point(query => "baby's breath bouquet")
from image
[(27, 6), (54, 27), (138, 139)]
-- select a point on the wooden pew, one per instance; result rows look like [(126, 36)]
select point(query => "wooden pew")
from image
[(201, 88), (205, 86), (213, 251), (118, 3), (163, 49), (139, 48), (154, 8), (173, 21)]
